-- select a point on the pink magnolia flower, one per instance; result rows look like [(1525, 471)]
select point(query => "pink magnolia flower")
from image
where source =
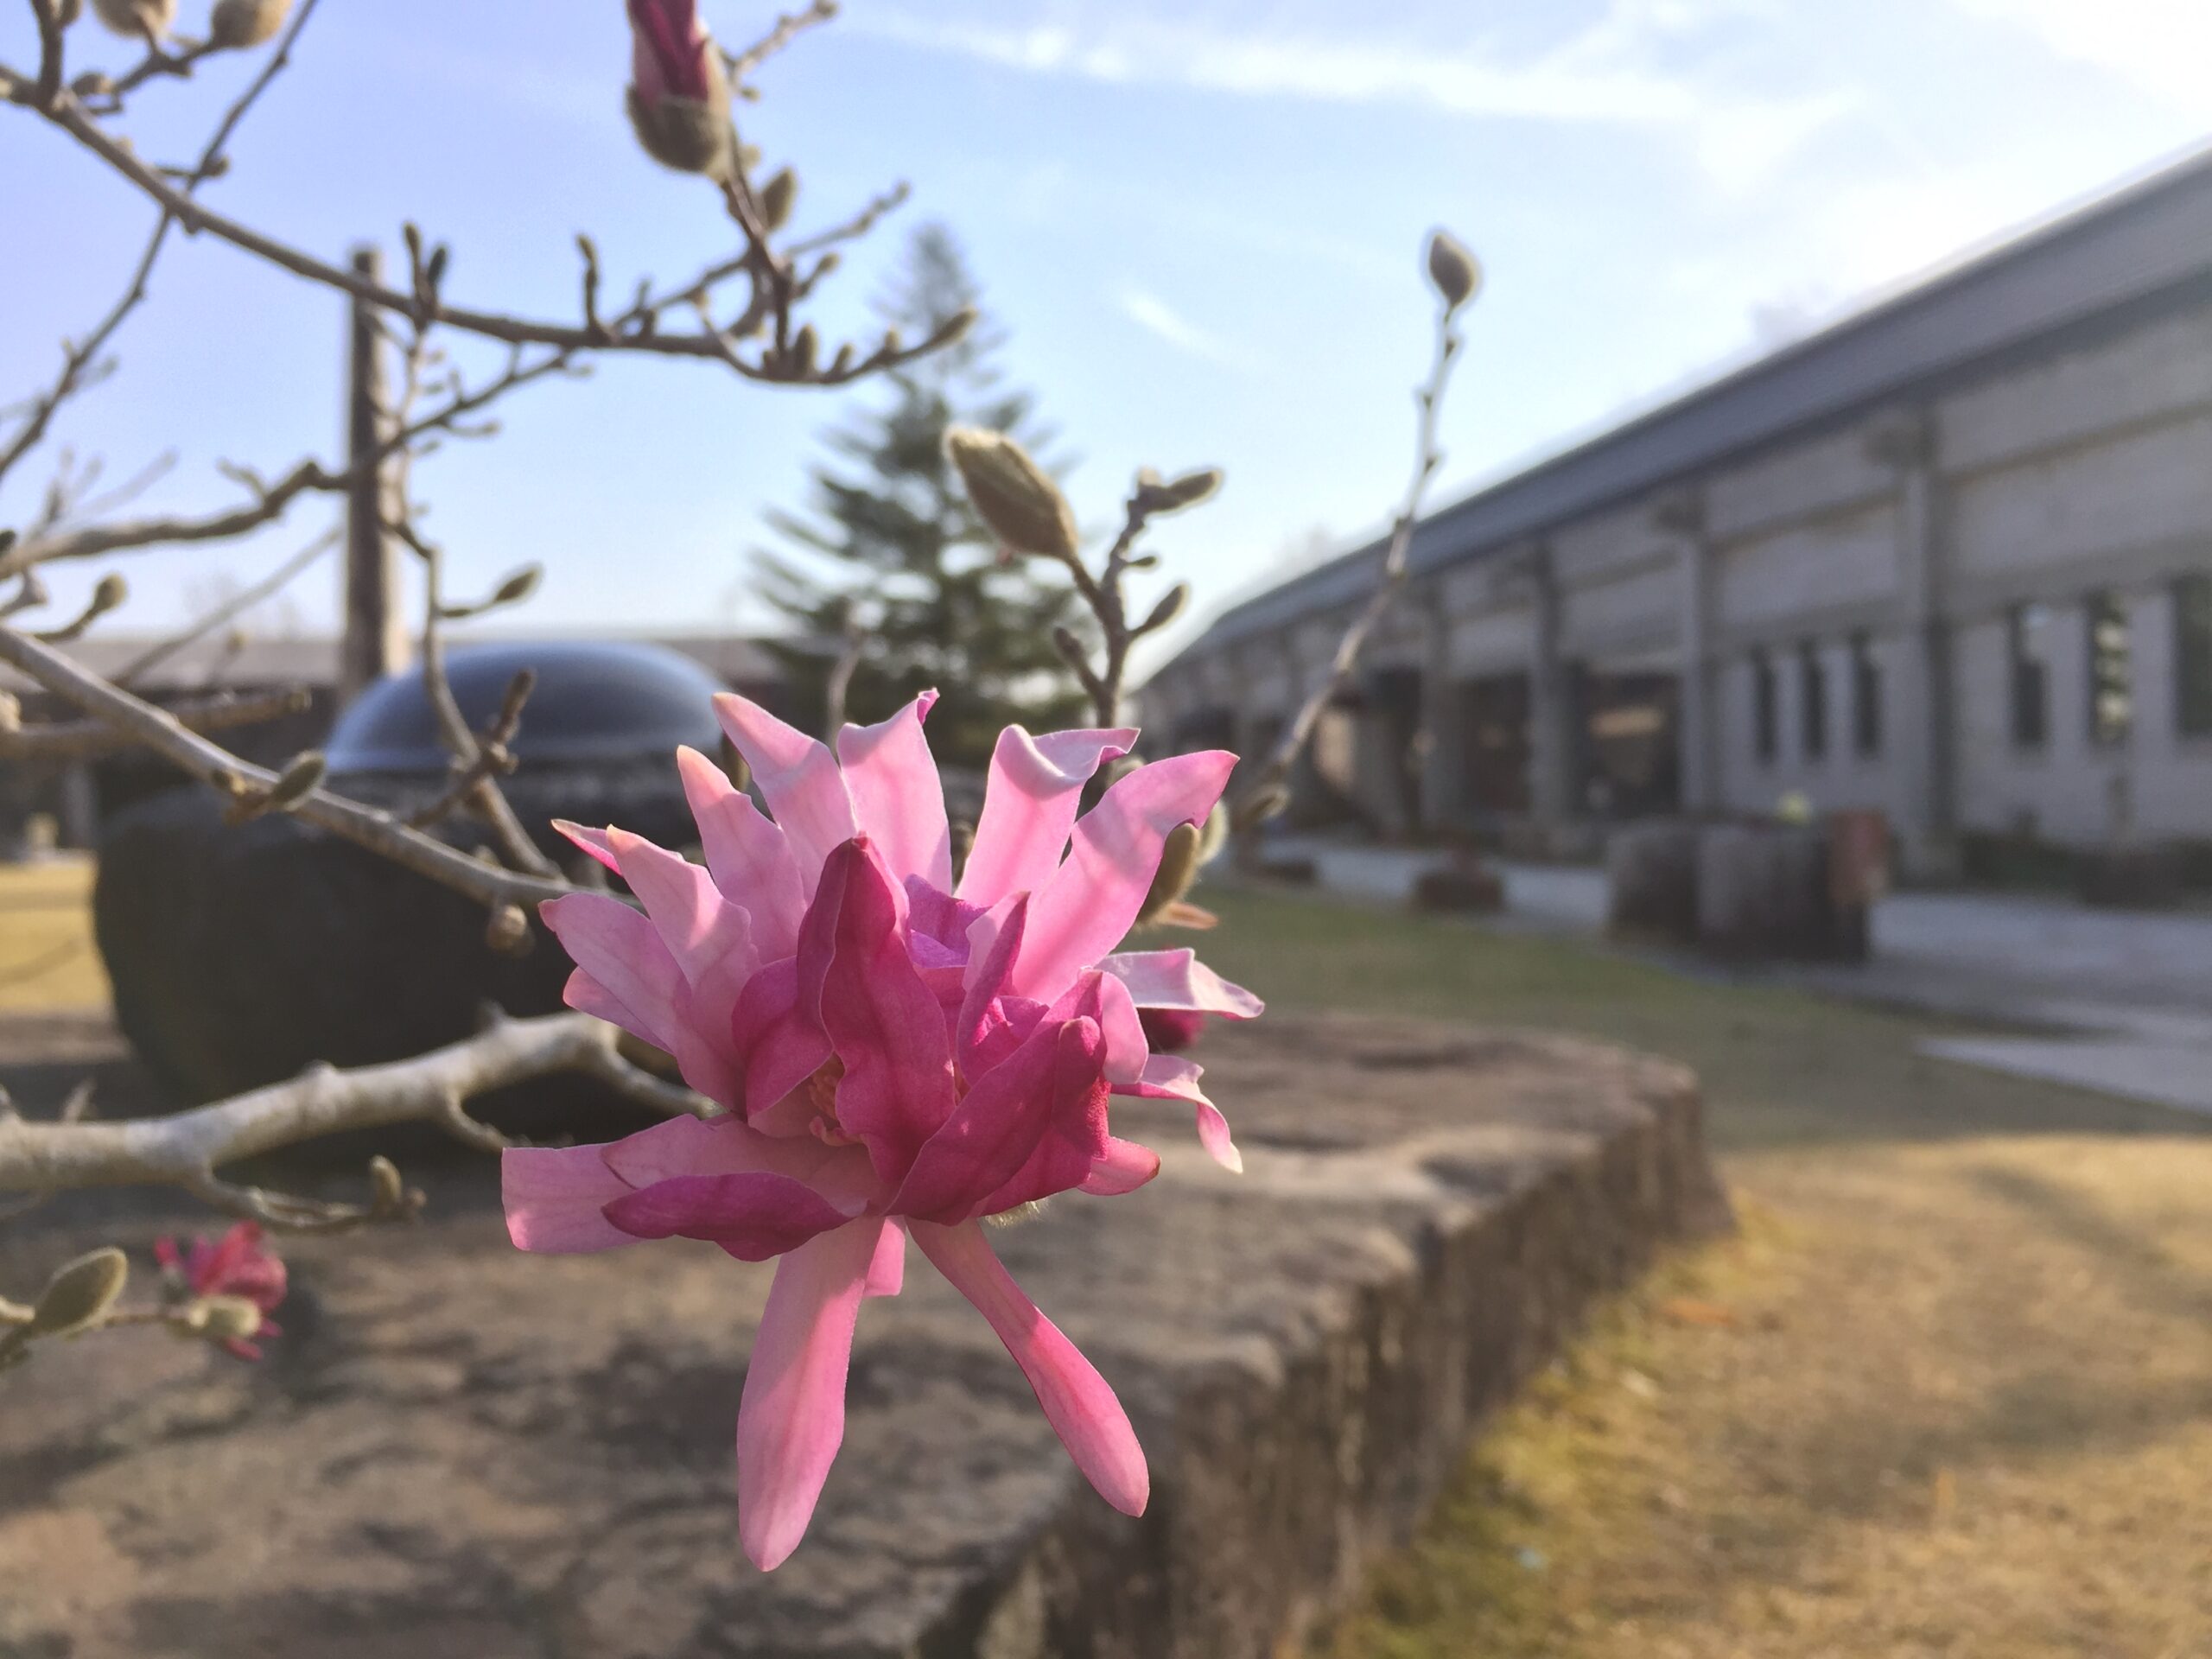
[(670, 52), (901, 1056), (235, 1265)]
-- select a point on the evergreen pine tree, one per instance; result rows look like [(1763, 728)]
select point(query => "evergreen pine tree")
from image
[(890, 547)]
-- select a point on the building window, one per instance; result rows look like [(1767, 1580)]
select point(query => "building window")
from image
[(2111, 683), (2193, 656), (1763, 722), (2029, 633), (1812, 701), (1865, 696)]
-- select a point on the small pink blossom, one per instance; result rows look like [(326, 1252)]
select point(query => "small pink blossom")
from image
[(235, 1265), (901, 1056)]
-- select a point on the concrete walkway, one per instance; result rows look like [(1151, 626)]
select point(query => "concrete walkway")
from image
[(2107, 1000)]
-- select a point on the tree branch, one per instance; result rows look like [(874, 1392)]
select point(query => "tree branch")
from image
[(79, 740), (379, 832), (237, 605), (186, 1149)]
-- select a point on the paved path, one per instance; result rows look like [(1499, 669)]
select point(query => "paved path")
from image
[(2121, 1001)]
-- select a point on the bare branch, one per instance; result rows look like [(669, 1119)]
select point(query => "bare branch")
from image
[(77, 361), (787, 28), (187, 1148), (1388, 581), (79, 739), (153, 728)]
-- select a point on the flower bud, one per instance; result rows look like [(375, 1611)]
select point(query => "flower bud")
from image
[(221, 1318), (301, 777), (64, 14), (776, 199), (519, 585), (508, 931), (1453, 270), (1012, 494), (1169, 606), (1258, 807), (1153, 496), (137, 20), (679, 93), (1178, 868), (80, 1293), (238, 23)]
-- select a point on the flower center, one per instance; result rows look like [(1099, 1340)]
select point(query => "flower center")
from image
[(822, 1098)]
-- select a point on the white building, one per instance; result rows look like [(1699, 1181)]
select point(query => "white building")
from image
[(1951, 558)]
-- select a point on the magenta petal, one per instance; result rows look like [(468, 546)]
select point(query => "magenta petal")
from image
[(884, 1023), (554, 1197), (1170, 1077), (592, 840), (622, 951), (753, 1215), (1177, 979), (1081, 1408), (793, 1417), (997, 1128), (886, 1273), (1087, 907), (1123, 1166), (779, 1043), (1029, 806), (799, 780), (1127, 1046), (707, 935), (748, 857), (897, 799), (993, 942), (719, 1146)]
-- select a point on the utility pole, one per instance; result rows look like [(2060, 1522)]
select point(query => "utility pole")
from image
[(374, 641)]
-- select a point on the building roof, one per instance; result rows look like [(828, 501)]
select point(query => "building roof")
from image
[(2140, 246)]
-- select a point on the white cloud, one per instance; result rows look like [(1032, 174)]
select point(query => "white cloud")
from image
[(1156, 317), (2159, 47), (1617, 72)]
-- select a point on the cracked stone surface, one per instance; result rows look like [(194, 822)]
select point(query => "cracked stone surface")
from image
[(458, 1450)]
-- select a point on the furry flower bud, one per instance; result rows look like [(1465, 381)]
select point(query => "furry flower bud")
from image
[(80, 1291), (239, 23), (137, 20), (1011, 494), (1453, 270)]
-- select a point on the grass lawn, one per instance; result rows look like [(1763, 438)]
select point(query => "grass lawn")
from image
[(1949, 1392), (46, 959)]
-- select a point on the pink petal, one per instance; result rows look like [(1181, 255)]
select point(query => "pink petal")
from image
[(1177, 979), (753, 1216), (556, 1198), (623, 953), (997, 1129), (748, 857), (594, 842), (897, 798), (780, 1043), (1127, 1046), (799, 780), (721, 1145), (1123, 1167), (886, 1273), (993, 942), (1081, 1408), (1170, 1077), (883, 1021), (702, 930), (793, 1417), (1029, 806), (1087, 907), (586, 995)]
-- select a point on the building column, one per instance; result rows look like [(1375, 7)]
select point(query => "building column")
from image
[(1680, 515), (1554, 751), (1443, 727), (1921, 702)]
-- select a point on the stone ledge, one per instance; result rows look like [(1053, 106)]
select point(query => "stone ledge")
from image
[(460, 1450)]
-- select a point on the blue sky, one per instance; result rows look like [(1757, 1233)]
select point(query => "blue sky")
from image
[(1200, 224)]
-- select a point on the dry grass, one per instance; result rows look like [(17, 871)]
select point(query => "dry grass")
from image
[(47, 962), (1949, 1392)]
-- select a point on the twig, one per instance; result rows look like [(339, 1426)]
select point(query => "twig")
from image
[(156, 730), (787, 28), (1429, 396), (79, 358), (79, 740), (187, 1148), (237, 605)]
